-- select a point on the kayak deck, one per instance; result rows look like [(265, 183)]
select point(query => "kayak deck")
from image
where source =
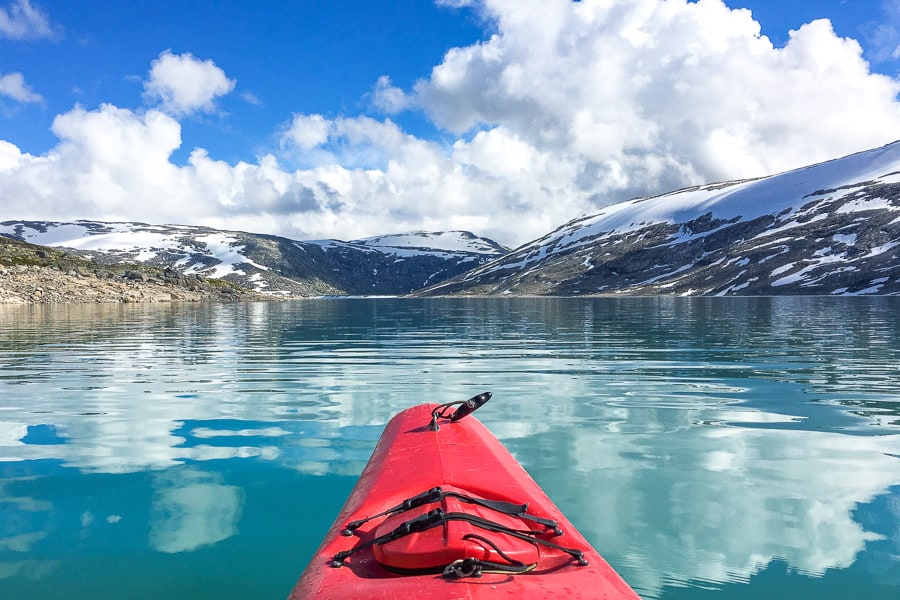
[(469, 517)]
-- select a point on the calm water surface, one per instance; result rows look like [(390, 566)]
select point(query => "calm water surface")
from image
[(709, 448)]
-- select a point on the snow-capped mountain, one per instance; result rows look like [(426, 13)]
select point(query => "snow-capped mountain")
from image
[(830, 229), (386, 265)]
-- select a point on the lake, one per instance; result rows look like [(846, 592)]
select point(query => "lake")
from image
[(709, 448)]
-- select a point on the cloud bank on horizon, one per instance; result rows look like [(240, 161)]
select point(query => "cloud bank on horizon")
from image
[(563, 108)]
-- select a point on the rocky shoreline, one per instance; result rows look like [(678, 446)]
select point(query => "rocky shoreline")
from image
[(37, 275), (24, 284)]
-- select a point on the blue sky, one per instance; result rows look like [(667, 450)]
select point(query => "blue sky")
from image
[(317, 119), (286, 57)]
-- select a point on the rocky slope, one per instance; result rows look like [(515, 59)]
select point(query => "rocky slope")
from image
[(827, 229)]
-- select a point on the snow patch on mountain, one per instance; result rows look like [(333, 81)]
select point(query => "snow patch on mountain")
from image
[(227, 250), (451, 241)]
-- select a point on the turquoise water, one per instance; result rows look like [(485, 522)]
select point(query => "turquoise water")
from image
[(708, 448)]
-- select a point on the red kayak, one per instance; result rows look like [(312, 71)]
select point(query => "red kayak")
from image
[(442, 510)]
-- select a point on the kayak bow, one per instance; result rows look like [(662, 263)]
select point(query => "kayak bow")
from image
[(442, 510)]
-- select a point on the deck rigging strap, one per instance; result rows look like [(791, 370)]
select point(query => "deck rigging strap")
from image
[(437, 517), (436, 494)]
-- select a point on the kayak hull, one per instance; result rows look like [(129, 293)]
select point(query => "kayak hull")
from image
[(461, 457)]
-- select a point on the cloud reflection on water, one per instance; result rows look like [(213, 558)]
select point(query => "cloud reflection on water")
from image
[(719, 504), (191, 509)]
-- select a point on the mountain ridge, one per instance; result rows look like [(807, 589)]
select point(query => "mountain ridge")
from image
[(383, 265), (832, 228)]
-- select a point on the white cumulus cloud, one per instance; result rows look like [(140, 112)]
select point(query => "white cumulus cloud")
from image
[(13, 85), (571, 106), (183, 84), (663, 90), (307, 131)]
